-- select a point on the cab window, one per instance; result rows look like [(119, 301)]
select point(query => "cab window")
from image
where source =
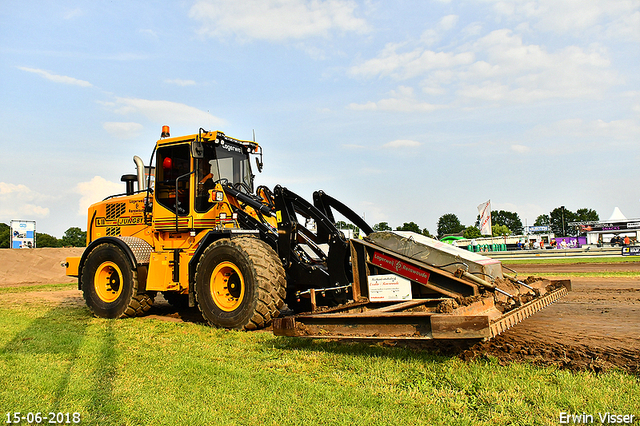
[(225, 163), (173, 162)]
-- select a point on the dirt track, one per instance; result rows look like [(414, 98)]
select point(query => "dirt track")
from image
[(596, 327)]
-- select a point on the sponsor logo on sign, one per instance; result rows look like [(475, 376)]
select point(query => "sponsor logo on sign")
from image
[(631, 251), (401, 268)]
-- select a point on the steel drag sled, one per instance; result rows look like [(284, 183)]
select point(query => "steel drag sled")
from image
[(408, 286)]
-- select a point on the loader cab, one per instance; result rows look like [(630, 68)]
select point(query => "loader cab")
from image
[(187, 169), (222, 162)]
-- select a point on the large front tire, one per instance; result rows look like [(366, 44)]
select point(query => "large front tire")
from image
[(239, 284), (110, 285)]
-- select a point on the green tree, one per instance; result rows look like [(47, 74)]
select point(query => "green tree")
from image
[(382, 226), (74, 237), (542, 220), (559, 219), (426, 233), (472, 232), (586, 215), (410, 226), (500, 230), (46, 240), (5, 232), (341, 224), (509, 219), (449, 224)]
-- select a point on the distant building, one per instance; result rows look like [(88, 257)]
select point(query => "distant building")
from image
[(601, 232)]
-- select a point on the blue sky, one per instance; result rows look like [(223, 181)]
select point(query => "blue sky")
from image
[(403, 110)]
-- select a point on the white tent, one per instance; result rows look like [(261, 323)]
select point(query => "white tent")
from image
[(617, 215)]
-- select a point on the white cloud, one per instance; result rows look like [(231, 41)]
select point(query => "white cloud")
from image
[(445, 23), (617, 19), (513, 71), (122, 130), (498, 67), (167, 112), (627, 27), (20, 202), (448, 22), (73, 13), (97, 189), (402, 143), (406, 65), (149, 32), (312, 51), (276, 20), (57, 78), (520, 149), (179, 82), (615, 133), (401, 100)]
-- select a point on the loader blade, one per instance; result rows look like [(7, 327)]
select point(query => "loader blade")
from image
[(407, 286), (479, 321)]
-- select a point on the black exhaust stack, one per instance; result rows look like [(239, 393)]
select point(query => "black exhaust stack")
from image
[(129, 179)]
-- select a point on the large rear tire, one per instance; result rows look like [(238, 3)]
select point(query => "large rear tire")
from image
[(240, 284), (110, 285)]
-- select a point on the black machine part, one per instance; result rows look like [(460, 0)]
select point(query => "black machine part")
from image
[(330, 269)]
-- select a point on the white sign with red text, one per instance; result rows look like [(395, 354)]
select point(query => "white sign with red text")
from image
[(388, 288)]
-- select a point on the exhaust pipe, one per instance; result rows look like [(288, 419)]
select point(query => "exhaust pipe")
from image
[(140, 172)]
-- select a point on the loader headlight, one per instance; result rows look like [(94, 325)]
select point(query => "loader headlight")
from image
[(216, 196)]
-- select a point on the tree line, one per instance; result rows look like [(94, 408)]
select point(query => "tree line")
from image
[(73, 237), (504, 223)]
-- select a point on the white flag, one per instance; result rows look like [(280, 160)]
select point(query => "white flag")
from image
[(484, 210)]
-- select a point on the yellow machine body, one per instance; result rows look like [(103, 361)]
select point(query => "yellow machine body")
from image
[(161, 228)]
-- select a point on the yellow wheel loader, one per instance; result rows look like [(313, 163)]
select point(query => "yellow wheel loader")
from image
[(198, 231)]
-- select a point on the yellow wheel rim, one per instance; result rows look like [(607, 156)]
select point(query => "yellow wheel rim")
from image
[(108, 282), (227, 286)]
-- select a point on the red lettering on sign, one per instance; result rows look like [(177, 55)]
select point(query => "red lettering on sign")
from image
[(400, 268)]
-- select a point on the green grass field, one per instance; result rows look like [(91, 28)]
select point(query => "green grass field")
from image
[(59, 359)]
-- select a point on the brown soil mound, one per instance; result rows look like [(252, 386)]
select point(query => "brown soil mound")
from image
[(35, 266)]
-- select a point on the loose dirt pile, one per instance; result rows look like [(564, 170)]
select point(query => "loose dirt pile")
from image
[(35, 266)]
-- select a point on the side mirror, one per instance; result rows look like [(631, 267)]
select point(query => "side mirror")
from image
[(259, 164), (197, 151)]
